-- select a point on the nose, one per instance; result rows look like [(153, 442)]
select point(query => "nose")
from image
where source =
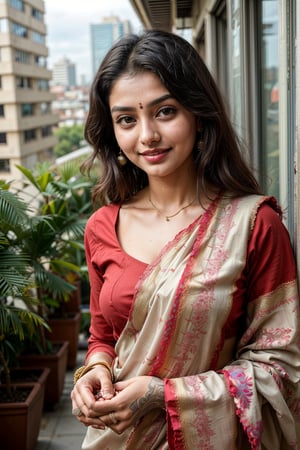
[(149, 134)]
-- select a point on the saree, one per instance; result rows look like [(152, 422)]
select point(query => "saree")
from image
[(222, 332)]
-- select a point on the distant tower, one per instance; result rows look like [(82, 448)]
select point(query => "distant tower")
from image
[(103, 35), (64, 73), (26, 119)]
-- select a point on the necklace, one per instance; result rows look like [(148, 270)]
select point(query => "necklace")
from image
[(171, 215)]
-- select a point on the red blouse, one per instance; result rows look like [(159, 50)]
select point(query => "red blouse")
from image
[(113, 274)]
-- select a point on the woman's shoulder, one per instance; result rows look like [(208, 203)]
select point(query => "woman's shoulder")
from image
[(103, 218)]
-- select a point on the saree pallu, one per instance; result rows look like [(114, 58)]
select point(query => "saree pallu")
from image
[(222, 335)]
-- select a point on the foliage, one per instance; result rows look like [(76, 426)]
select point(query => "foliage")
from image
[(69, 139), (17, 315), (64, 202)]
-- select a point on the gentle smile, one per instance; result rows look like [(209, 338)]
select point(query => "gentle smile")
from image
[(155, 152)]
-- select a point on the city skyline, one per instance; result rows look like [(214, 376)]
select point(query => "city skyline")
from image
[(68, 29)]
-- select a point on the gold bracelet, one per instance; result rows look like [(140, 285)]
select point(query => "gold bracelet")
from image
[(85, 369)]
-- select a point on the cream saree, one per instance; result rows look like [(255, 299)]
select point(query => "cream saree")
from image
[(223, 390)]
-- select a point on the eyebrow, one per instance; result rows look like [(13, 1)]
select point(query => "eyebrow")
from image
[(154, 102)]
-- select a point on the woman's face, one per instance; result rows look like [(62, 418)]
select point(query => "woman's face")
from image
[(152, 128)]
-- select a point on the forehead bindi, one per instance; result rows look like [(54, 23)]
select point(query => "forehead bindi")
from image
[(139, 91)]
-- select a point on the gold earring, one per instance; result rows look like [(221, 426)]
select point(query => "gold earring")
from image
[(122, 160), (200, 143)]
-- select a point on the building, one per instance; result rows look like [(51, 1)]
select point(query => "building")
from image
[(64, 73), (70, 105), (103, 35), (251, 48), (26, 119)]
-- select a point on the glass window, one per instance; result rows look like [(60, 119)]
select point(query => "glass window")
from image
[(2, 111), (22, 57), (4, 165), (43, 85), (17, 4), (37, 14), (23, 82), (40, 61), (46, 131), (2, 138), (38, 37), (27, 109), (237, 69), (29, 135), (19, 30), (269, 96)]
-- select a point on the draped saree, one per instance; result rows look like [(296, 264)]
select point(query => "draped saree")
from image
[(216, 317)]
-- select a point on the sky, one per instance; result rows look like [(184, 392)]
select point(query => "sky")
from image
[(68, 28)]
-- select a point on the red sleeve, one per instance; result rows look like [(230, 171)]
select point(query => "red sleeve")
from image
[(270, 261), (101, 334)]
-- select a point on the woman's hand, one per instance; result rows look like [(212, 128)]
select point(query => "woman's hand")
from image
[(95, 385), (132, 400)]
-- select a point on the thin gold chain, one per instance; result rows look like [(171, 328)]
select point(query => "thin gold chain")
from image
[(171, 215)]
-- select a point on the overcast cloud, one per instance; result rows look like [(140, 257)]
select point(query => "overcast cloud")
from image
[(68, 28)]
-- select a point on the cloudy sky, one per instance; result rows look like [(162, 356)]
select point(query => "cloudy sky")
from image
[(68, 32)]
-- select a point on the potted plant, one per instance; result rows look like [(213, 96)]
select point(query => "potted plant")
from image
[(33, 235), (21, 404), (63, 198)]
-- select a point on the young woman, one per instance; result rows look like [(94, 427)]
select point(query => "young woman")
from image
[(194, 337)]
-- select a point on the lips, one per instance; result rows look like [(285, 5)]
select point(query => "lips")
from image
[(155, 152), (155, 155)]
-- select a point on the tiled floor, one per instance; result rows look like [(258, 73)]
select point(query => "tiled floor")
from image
[(59, 429)]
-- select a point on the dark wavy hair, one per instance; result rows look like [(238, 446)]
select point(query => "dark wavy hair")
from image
[(183, 72)]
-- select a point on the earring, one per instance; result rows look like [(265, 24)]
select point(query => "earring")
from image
[(200, 143), (122, 160)]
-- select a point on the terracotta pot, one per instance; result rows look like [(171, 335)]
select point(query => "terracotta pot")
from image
[(20, 421), (73, 303), (57, 363), (67, 328), (29, 375)]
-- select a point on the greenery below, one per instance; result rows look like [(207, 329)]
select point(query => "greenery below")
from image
[(70, 138)]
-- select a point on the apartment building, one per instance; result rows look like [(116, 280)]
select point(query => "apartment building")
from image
[(26, 120), (251, 49)]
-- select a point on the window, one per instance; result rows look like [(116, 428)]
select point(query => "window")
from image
[(4, 165), (221, 33), (38, 37), (237, 65), (2, 111), (17, 4), (19, 30), (3, 138), (0, 80), (46, 131), (27, 109), (37, 14), (40, 61), (23, 82), (269, 96), (22, 57), (43, 85), (29, 135)]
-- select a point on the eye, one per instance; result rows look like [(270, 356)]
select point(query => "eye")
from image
[(125, 121), (166, 111)]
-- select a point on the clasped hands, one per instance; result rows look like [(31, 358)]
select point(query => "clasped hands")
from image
[(99, 403)]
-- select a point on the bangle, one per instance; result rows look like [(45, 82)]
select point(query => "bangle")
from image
[(85, 369)]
